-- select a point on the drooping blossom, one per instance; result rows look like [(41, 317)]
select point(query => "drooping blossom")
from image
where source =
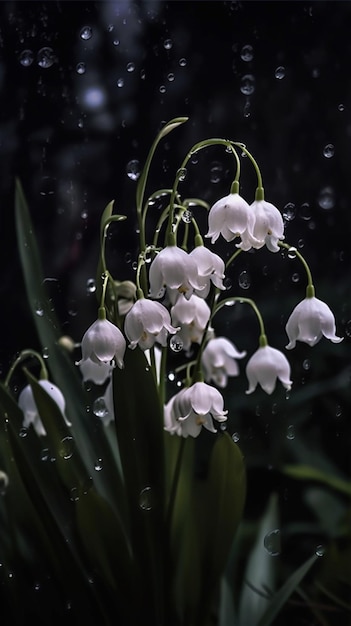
[(230, 217), (309, 321), (219, 360), (146, 322), (174, 269), (102, 343), (192, 316), (98, 373), (193, 408), (268, 227), (210, 269), (27, 404), (265, 366)]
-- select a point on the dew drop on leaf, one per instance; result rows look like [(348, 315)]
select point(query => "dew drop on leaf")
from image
[(272, 542), (145, 499), (66, 448)]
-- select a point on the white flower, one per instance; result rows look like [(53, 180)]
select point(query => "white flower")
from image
[(210, 268), (98, 373), (218, 360), (268, 227), (230, 217), (28, 405), (194, 407), (102, 342), (309, 321), (175, 269), (192, 317), (265, 366), (148, 321)]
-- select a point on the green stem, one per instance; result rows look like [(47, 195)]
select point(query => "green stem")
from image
[(233, 257), (228, 301), (27, 354), (174, 486), (254, 163), (310, 287)]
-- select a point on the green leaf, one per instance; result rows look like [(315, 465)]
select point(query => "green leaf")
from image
[(220, 505), (284, 593), (139, 425), (171, 125), (306, 472), (260, 570)]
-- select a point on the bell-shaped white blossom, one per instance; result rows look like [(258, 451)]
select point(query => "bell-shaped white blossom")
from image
[(268, 227), (265, 366), (174, 269), (309, 321), (28, 405), (230, 217), (210, 268), (192, 316), (148, 321), (102, 343), (195, 407), (219, 360)]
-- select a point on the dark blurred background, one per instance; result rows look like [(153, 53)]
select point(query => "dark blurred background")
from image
[(85, 87)]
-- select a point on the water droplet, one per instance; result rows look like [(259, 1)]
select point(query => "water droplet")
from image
[(305, 211), (45, 352), (120, 82), (292, 253), (328, 151), (162, 89), (39, 309), (145, 499), (247, 85), (98, 465), (46, 57), (176, 343), (244, 280), (341, 107), (306, 364), (187, 216), (235, 437), (91, 285), (247, 53), (295, 277), (290, 432), (80, 68), (99, 407), (181, 174), (4, 482), (289, 212), (320, 550), (86, 33), (66, 448), (167, 44), (26, 58), (230, 303), (130, 67), (247, 108), (23, 432), (279, 72), (326, 199), (272, 542), (74, 494), (116, 42), (133, 169), (182, 62), (216, 172), (170, 77)]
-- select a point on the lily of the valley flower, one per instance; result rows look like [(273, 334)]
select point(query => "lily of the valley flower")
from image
[(148, 321), (98, 373), (265, 366), (102, 343), (210, 268), (192, 317), (28, 405), (219, 360), (230, 217), (268, 227), (175, 269), (194, 407), (309, 321)]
